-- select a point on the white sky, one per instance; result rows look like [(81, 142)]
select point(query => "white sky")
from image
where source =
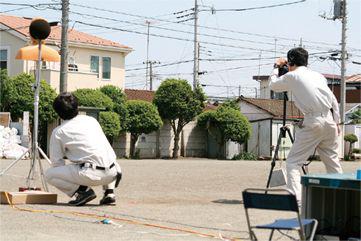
[(251, 33)]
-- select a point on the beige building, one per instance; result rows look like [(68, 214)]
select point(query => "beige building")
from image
[(93, 61)]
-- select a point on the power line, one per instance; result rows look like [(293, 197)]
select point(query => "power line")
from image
[(15, 9), (255, 8), (206, 27), (175, 30), (163, 65), (172, 37)]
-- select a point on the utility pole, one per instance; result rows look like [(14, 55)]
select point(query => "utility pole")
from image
[(150, 76), (64, 46), (196, 47), (343, 63), (147, 61), (150, 64)]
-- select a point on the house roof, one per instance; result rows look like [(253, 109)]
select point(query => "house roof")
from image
[(356, 78), (21, 26), (146, 95), (275, 107)]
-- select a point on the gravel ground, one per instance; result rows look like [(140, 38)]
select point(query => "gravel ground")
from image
[(185, 199)]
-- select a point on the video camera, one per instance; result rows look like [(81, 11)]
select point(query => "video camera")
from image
[(282, 70)]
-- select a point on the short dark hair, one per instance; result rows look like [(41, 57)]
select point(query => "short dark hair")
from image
[(297, 56), (66, 105)]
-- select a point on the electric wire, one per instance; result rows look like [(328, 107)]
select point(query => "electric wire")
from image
[(206, 27)]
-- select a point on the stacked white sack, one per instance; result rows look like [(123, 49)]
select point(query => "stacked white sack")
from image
[(9, 143)]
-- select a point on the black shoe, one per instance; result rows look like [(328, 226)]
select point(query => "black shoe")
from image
[(107, 199), (82, 197)]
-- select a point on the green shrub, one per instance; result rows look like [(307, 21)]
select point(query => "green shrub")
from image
[(351, 138), (94, 98), (245, 156), (17, 96), (356, 150), (109, 121)]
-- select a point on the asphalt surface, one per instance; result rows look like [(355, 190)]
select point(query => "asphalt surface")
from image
[(185, 199)]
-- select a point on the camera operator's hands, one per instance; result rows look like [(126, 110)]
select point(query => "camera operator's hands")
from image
[(281, 62)]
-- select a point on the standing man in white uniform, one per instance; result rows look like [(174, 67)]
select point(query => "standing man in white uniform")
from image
[(321, 116), (81, 140)]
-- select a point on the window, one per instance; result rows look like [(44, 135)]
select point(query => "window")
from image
[(3, 58), (71, 64), (276, 95), (106, 67), (94, 64)]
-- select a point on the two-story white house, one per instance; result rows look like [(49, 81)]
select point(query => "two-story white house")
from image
[(93, 61)]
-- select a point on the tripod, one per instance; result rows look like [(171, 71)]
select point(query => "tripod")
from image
[(35, 148), (284, 130)]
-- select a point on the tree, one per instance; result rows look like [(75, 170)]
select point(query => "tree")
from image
[(18, 96), (352, 138), (225, 124), (109, 120), (118, 98), (110, 123), (94, 98), (231, 104), (143, 117), (356, 116), (3, 78), (177, 103)]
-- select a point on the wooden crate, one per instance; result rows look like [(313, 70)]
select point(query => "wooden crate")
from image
[(5, 119), (29, 197)]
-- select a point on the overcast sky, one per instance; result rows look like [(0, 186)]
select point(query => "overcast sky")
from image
[(235, 45)]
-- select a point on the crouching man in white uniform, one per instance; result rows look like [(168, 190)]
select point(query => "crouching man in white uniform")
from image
[(81, 140), (321, 116)]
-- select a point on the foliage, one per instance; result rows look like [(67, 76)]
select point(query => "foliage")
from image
[(18, 96), (245, 156), (3, 78), (118, 98), (352, 138), (356, 116), (176, 100), (143, 117), (110, 123), (356, 150), (177, 103), (228, 124), (94, 98), (231, 104)]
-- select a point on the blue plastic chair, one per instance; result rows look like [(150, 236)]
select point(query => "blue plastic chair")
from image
[(281, 200)]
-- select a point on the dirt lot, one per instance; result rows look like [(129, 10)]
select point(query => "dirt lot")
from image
[(186, 199)]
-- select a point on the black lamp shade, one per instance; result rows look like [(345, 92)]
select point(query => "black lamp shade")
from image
[(39, 29)]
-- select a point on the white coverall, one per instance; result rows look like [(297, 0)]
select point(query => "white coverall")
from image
[(319, 130), (81, 140)]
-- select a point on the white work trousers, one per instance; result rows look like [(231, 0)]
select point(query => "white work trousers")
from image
[(318, 131), (68, 178)]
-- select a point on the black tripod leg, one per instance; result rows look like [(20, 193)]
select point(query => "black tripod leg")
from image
[(273, 163), (290, 135)]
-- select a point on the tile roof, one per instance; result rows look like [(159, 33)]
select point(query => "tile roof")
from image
[(146, 95), (356, 78), (275, 107), (21, 25)]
